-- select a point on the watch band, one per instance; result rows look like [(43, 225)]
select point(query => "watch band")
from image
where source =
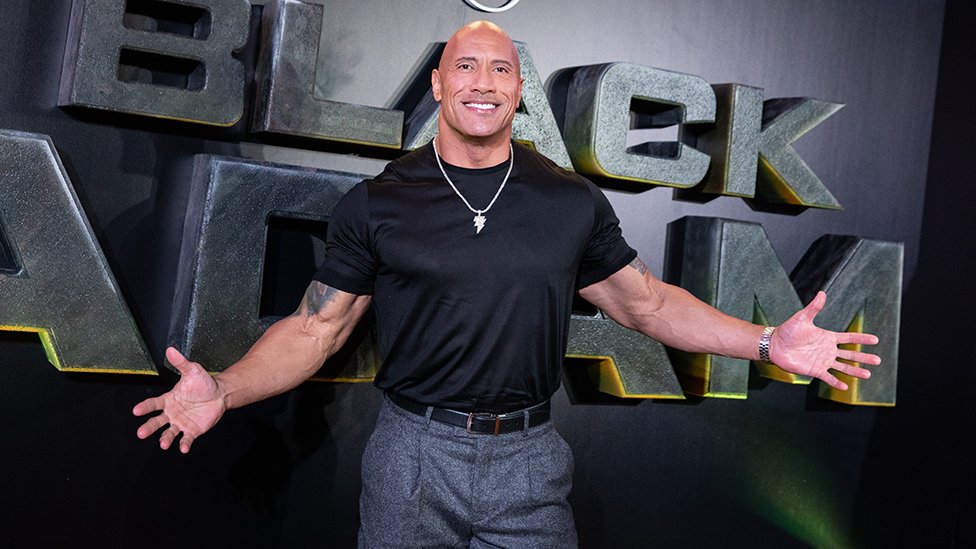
[(767, 335)]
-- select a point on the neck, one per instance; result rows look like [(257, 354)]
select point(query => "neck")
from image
[(468, 153)]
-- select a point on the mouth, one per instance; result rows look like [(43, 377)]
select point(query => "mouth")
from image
[(483, 107)]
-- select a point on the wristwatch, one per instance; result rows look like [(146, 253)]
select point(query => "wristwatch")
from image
[(767, 334)]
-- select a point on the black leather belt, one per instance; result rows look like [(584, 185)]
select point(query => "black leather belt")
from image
[(478, 422)]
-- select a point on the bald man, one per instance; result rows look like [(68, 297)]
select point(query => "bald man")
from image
[(470, 250)]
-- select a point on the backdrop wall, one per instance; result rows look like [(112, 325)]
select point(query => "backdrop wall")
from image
[(780, 469)]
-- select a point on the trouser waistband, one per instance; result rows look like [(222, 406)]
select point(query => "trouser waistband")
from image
[(478, 422)]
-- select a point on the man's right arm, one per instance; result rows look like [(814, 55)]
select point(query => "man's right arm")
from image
[(288, 353)]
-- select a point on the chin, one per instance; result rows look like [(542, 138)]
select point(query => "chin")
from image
[(485, 133)]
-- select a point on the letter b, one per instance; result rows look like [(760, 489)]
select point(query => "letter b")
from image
[(167, 59)]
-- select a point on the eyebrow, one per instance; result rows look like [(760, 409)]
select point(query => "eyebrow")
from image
[(471, 59)]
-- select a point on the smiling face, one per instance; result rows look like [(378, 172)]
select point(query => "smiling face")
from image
[(478, 84)]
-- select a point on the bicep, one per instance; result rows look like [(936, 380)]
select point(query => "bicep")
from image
[(324, 309)]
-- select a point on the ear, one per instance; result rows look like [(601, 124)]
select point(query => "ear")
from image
[(435, 85)]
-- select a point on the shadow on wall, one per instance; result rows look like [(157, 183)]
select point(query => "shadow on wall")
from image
[(918, 479)]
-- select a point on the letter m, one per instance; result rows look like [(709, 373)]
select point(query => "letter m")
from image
[(732, 266)]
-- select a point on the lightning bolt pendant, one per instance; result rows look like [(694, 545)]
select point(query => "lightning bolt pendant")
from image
[(479, 222)]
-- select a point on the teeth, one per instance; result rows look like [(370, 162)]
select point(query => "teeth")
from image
[(483, 106)]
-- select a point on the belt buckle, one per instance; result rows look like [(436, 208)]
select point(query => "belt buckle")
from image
[(484, 415)]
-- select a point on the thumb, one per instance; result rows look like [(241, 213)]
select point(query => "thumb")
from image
[(178, 361), (815, 306)]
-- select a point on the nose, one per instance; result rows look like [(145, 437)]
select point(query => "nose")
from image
[(483, 81)]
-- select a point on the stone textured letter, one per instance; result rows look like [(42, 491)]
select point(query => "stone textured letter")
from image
[(55, 280)]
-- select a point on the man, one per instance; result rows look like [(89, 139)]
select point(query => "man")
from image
[(472, 319)]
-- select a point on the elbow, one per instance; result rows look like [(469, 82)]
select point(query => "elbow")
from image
[(627, 319), (641, 314)]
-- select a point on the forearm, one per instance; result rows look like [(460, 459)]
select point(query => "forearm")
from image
[(293, 348), (636, 299), (682, 321), (284, 357)]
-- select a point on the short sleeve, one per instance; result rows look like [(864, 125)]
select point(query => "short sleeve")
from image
[(606, 251), (349, 263)]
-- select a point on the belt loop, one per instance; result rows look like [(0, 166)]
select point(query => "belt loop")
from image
[(427, 414), (525, 426)]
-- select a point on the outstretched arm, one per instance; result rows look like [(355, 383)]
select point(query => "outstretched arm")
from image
[(636, 299), (289, 352)]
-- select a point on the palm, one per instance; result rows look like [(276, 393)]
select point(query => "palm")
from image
[(800, 347), (803, 347), (194, 403), (192, 407)]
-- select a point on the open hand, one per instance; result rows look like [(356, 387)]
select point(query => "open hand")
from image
[(192, 407), (800, 347)]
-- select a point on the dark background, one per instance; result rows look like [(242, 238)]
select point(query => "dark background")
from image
[(780, 469)]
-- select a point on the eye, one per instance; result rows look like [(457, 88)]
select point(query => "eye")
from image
[(465, 66)]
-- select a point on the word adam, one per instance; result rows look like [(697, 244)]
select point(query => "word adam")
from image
[(54, 280)]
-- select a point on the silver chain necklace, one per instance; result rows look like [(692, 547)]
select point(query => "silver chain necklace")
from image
[(479, 215)]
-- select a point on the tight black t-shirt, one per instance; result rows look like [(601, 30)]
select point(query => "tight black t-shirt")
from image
[(466, 320)]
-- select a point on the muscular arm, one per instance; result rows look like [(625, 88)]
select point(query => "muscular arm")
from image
[(293, 348), (636, 299), (289, 352)]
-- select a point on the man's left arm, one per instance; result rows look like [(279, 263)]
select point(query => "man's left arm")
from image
[(638, 300)]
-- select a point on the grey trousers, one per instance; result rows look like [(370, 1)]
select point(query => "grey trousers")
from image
[(427, 484)]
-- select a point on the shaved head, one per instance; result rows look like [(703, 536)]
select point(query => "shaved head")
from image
[(478, 84), (473, 30)]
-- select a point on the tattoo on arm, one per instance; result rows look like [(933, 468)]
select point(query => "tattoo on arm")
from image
[(639, 265), (317, 296)]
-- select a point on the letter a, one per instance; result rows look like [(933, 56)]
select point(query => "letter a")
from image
[(55, 280)]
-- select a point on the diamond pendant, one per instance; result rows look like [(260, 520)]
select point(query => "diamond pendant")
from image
[(479, 222)]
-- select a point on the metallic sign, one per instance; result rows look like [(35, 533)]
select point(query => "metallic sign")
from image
[(747, 133), (284, 102), (124, 57), (787, 177), (116, 60), (598, 115), (732, 142), (622, 362), (173, 59), (56, 281)]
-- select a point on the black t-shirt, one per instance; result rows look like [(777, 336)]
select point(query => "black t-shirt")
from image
[(466, 320)]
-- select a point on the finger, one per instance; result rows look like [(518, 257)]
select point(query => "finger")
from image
[(167, 438), (178, 361), (185, 443), (148, 406), (808, 313), (831, 380), (856, 338), (857, 356), (853, 371), (151, 426), (816, 305)]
